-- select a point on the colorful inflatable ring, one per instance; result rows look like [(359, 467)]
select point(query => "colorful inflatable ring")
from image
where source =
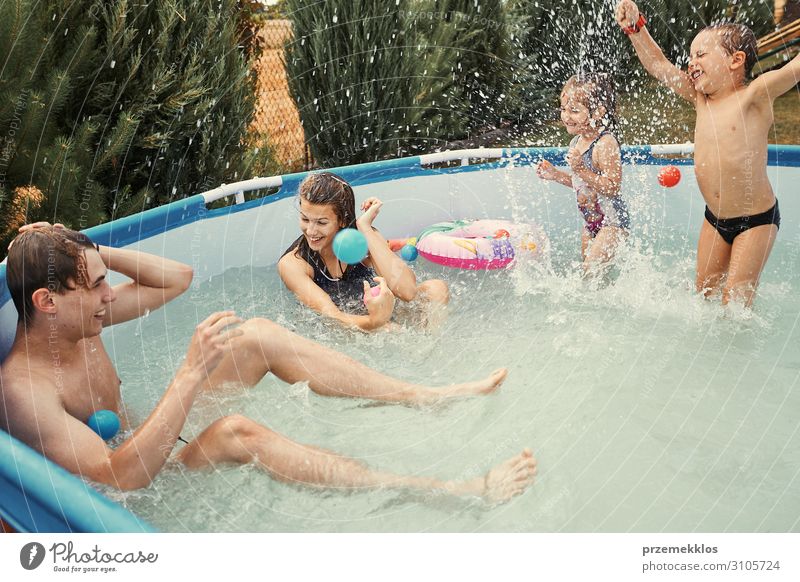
[(479, 244)]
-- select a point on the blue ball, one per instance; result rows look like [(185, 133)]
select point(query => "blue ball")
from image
[(350, 246), (409, 253), (105, 423)]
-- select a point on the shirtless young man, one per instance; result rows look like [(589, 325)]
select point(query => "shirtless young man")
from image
[(730, 157), (58, 373)]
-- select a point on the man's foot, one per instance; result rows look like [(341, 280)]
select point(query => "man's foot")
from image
[(506, 480), (510, 478), (486, 386)]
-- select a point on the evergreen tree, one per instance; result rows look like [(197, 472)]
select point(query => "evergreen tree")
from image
[(366, 84), (479, 33), (120, 106), (45, 164)]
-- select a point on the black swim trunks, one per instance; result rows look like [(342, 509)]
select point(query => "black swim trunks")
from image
[(730, 228)]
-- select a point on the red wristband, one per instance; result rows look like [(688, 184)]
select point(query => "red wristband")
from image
[(629, 30)]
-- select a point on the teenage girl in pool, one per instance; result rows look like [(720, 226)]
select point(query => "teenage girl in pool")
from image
[(311, 270), (588, 108)]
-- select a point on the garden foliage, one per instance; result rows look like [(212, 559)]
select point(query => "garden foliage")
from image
[(109, 108)]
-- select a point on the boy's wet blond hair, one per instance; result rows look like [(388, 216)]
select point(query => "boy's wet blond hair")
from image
[(734, 37)]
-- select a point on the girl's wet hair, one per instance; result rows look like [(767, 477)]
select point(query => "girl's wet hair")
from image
[(734, 37), (598, 91), (328, 188)]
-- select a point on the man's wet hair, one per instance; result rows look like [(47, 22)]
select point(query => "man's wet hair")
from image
[(46, 257), (736, 37)]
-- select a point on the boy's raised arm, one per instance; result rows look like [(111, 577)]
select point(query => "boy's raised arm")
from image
[(775, 83), (650, 54)]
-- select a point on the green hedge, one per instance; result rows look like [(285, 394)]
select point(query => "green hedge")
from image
[(108, 108)]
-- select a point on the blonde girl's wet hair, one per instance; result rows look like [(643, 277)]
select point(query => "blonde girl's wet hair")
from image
[(596, 90)]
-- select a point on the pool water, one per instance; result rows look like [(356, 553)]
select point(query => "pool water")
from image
[(648, 407)]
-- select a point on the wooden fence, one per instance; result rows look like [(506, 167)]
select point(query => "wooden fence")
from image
[(276, 123)]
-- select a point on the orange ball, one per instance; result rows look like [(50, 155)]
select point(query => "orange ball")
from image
[(669, 176)]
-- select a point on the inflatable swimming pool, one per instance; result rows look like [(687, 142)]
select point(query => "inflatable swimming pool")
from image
[(36, 495)]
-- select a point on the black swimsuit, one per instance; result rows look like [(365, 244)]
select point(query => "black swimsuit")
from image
[(347, 292), (730, 228)]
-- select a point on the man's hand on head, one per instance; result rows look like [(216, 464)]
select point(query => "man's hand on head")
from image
[(34, 225)]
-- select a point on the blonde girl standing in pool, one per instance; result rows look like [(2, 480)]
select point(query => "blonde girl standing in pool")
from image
[(311, 270), (588, 109)]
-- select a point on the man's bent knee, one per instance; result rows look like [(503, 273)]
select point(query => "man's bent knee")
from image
[(259, 324), (257, 331), (235, 435), (435, 290)]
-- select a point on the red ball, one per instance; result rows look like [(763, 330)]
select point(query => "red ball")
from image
[(669, 176)]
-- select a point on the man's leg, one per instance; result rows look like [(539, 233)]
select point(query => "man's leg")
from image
[(268, 347), (430, 304), (749, 255), (434, 291), (236, 439)]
